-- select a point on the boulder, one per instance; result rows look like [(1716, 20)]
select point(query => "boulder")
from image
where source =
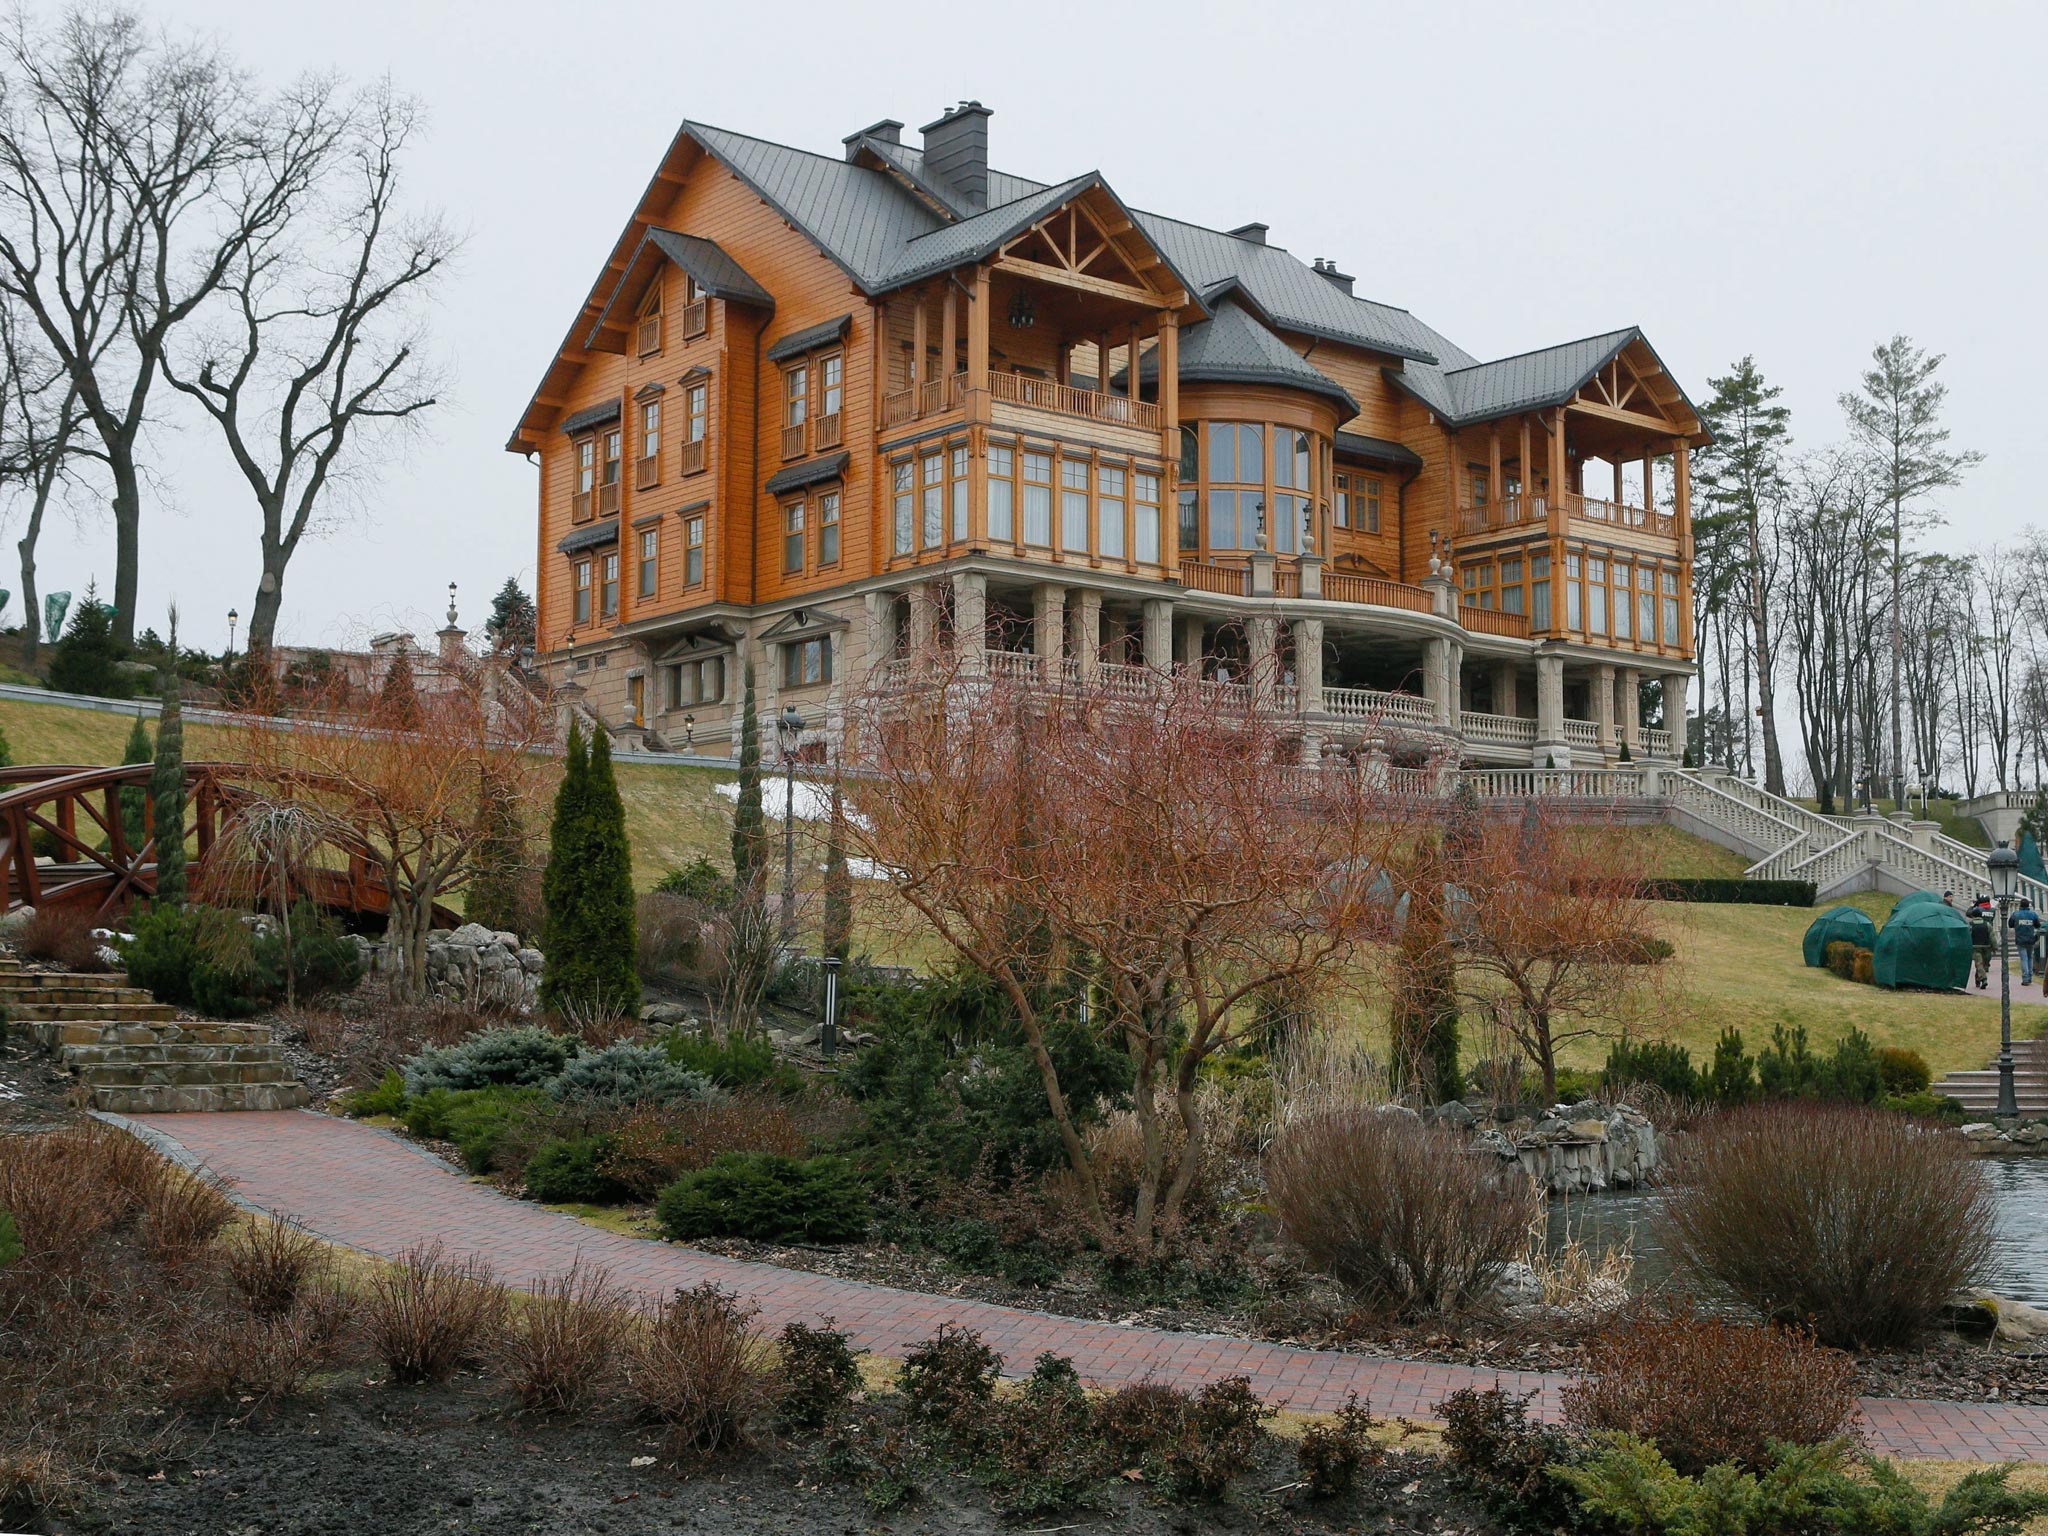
[(2031, 1134), (1517, 1286), (1981, 1130), (1453, 1112)]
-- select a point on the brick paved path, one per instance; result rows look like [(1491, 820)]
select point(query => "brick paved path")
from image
[(371, 1190)]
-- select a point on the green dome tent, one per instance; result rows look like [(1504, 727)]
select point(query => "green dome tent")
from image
[(1924, 945), (1838, 925), (2031, 864), (1914, 899)]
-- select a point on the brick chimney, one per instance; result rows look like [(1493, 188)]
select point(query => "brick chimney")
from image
[(956, 152)]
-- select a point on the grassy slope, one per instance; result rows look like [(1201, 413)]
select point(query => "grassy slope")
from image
[(1738, 966)]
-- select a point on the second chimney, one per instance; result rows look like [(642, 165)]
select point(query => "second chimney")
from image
[(956, 152)]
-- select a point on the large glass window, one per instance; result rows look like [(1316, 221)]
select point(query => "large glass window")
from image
[(1109, 511), (828, 528), (1237, 476), (960, 492), (934, 500), (904, 485), (1624, 609), (1596, 597), (1002, 492), (1145, 492), (1074, 506), (793, 538), (1539, 590), (1038, 498), (1574, 601), (1511, 586), (1291, 480)]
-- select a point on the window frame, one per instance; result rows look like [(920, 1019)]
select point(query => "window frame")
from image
[(647, 565), (797, 658), (647, 470), (693, 551), (608, 584), (828, 528), (794, 552), (581, 590)]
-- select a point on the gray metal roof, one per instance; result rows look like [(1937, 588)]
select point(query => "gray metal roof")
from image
[(716, 272), (810, 337), (1527, 381), (1377, 449), (811, 472), (593, 537), (591, 416), (971, 238), (1233, 348)]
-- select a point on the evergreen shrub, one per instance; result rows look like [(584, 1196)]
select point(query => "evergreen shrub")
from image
[(768, 1197)]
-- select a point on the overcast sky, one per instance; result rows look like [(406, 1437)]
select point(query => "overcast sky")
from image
[(1792, 180)]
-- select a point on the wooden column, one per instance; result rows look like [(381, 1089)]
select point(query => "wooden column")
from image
[(918, 365), (1493, 483), (949, 333), (1527, 471), (1649, 482), (1169, 443), (1131, 363), (1681, 492), (1558, 487), (977, 332)]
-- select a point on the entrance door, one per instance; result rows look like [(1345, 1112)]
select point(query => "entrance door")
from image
[(636, 699)]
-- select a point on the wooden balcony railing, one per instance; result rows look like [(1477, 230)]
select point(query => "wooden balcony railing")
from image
[(1287, 581), (1511, 512), (647, 335), (695, 319), (1494, 621), (1094, 405), (647, 473), (1223, 580), (1342, 588), (579, 507), (793, 441), (827, 431), (1620, 515), (899, 407), (692, 457), (608, 499), (936, 395)]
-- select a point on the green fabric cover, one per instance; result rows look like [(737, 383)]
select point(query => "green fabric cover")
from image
[(1914, 899), (1924, 945), (2031, 864), (1838, 925)]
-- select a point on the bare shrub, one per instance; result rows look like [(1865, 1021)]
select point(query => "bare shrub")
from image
[(701, 1371), (61, 936), (1335, 1450), (671, 931), (1852, 1222), (653, 1147), (263, 1356), (597, 1024), (1319, 1070), (66, 1187), (427, 1316), (272, 1262), (1399, 1212), (389, 1032), (182, 1213), (1706, 1390), (561, 1344)]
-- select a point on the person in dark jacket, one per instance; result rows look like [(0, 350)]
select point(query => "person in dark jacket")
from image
[(1979, 917), (2026, 933)]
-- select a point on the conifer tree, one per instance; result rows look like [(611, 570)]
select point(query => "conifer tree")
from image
[(749, 824), (838, 913), (135, 796), (495, 898), (512, 622), (167, 784), (400, 696), (589, 936), (87, 659), (6, 751)]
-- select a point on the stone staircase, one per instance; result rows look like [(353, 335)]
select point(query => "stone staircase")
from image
[(134, 1055), (1977, 1091)]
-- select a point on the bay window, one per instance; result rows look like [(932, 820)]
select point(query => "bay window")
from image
[(903, 479), (1145, 492), (1002, 494), (1237, 473), (1074, 506), (1038, 499), (934, 500), (1291, 479)]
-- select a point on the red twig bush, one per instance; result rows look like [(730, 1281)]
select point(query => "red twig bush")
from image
[(272, 1263), (1401, 1213), (61, 936), (1855, 1223), (701, 1371), (561, 1345), (1707, 1390), (427, 1316)]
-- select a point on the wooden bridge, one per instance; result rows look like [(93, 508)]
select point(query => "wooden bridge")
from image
[(64, 842)]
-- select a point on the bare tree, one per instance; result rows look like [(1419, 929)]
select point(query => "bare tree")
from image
[(1896, 418), (40, 449), (135, 171), (1831, 549), (320, 359)]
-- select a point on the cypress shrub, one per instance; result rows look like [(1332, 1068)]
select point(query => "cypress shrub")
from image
[(134, 797), (88, 658), (167, 786), (589, 935), (838, 913)]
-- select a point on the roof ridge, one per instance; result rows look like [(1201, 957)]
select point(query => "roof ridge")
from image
[(1556, 346)]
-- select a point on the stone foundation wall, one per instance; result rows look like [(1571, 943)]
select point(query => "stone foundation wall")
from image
[(473, 966)]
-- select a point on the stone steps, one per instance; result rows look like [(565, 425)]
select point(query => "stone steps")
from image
[(134, 1055), (1977, 1089)]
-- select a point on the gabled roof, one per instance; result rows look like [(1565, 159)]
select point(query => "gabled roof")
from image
[(1232, 347), (1527, 381), (714, 271)]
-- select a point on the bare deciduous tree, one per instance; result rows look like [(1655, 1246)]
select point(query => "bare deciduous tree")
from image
[(40, 449), (319, 358)]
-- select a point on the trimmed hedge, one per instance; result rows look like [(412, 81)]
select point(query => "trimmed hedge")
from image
[(1732, 892)]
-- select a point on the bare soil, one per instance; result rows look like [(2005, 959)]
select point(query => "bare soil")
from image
[(359, 1457)]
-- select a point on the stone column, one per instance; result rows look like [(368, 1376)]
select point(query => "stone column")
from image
[(1048, 621), (1630, 682), (1551, 747), (1262, 636), (1308, 664), (1311, 574), (1261, 567), (924, 619), (1441, 661), (1603, 704), (1676, 685), (1504, 681), (1187, 649), (1443, 597), (1158, 631), (1086, 642), (970, 618)]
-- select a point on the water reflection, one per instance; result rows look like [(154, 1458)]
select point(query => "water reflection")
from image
[(2019, 1264)]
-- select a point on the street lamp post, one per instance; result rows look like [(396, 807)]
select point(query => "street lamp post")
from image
[(789, 730), (2005, 880), (828, 1033), (232, 616)]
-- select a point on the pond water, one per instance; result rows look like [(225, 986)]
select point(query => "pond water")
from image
[(2019, 1265)]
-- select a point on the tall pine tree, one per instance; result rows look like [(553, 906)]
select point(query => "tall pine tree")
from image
[(399, 699), (87, 659), (838, 913), (589, 936), (135, 796), (167, 783), (512, 623), (749, 824)]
